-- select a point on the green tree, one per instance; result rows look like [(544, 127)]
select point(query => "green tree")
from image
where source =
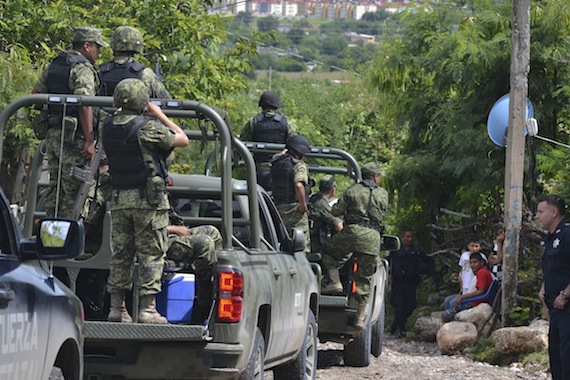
[(267, 24)]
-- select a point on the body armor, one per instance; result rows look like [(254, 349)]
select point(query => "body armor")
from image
[(112, 73), (282, 174), (271, 129), (58, 80)]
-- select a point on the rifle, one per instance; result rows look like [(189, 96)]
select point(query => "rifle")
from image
[(86, 176)]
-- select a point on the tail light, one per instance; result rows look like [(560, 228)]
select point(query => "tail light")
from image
[(230, 296), (354, 269)]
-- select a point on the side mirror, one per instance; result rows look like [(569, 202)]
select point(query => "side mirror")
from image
[(297, 241), (56, 239), (390, 243)]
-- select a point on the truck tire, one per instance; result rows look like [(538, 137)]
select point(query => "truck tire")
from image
[(378, 334), (56, 374), (357, 352), (304, 367), (255, 366)]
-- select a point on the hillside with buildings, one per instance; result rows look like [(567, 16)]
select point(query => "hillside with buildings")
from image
[(315, 9)]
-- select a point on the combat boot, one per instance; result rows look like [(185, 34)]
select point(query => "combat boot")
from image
[(334, 286), (148, 313), (360, 317), (118, 311)]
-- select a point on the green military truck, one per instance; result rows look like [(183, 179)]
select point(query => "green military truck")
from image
[(266, 300), (337, 312)]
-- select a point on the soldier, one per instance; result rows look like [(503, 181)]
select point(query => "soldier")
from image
[(363, 205), (268, 126), (291, 187), (72, 72), (137, 139), (197, 246), (324, 223), (125, 42)]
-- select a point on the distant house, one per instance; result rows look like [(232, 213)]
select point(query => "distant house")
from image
[(355, 37)]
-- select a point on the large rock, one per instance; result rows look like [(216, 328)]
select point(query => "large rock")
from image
[(426, 328), (477, 315), (454, 337), (524, 339)]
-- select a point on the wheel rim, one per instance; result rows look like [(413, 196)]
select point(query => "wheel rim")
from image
[(311, 353), (258, 373)]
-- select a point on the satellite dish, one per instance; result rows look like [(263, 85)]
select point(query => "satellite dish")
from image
[(498, 120)]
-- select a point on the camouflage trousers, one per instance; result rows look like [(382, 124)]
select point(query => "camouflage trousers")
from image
[(292, 218), (198, 248), (338, 250), (65, 191), (138, 234)]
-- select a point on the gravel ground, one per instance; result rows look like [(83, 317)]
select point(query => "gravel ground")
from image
[(413, 361)]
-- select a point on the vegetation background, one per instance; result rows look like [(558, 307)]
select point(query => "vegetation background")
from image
[(416, 101)]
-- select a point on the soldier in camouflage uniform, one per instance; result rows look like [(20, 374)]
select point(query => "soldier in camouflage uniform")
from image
[(291, 187), (72, 72), (268, 126), (197, 246), (324, 223), (363, 205), (136, 146), (125, 42)]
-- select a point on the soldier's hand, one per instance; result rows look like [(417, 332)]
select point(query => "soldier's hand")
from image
[(153, 110), (88, 150)]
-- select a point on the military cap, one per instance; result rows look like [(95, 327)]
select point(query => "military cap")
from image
[(327, 182), (88, 34), (371, 169)]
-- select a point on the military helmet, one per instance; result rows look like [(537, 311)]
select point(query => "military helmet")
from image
[(269, 99), (327, 182), (370, 169), (126, 38), (131, 94), (299, 144)]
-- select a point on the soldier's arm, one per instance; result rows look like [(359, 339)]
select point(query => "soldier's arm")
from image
[(247, 132), (301, 198), (157, 89)]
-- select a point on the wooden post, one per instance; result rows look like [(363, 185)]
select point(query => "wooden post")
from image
[(514, 170)]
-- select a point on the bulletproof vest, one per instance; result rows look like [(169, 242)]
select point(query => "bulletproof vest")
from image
[(320, 231), (126, 163), (282, 175), (58, 80), (271, 129), (112, 73)]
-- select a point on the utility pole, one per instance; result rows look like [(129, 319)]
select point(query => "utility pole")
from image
[(514, 170)]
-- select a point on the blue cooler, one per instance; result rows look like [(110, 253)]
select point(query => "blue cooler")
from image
[(176, 299)]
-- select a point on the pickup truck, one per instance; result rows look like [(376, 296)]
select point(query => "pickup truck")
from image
[(264, 311), (336, 312), (41, 320)]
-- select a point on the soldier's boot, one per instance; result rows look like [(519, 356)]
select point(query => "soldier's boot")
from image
[(204, 298), (148, 313), (334, 286), (118, 311), (360, 316)]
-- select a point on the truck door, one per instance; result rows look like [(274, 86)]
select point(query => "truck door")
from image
[(290, 287)]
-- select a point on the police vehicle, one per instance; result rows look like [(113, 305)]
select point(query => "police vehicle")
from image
[(41, 320)]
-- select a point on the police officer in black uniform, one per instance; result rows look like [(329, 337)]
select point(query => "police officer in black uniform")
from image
[(408, 266), (268, 126), (555, 290)]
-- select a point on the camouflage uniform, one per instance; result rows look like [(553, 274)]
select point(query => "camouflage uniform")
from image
[(198, 248), (363, 206), (83, 80), (290, 212), (324, 223)]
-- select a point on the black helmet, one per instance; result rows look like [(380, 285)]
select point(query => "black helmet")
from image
[(269, 99), (299, 144)]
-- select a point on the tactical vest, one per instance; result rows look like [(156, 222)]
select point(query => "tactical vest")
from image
[(282, 175), (58, 80), (271, 129), (112, 73), (126, 163), (320, 231)]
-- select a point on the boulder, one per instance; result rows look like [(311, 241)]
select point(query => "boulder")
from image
[(477, 315), (523, 339), (426, 328), (454, 337)]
